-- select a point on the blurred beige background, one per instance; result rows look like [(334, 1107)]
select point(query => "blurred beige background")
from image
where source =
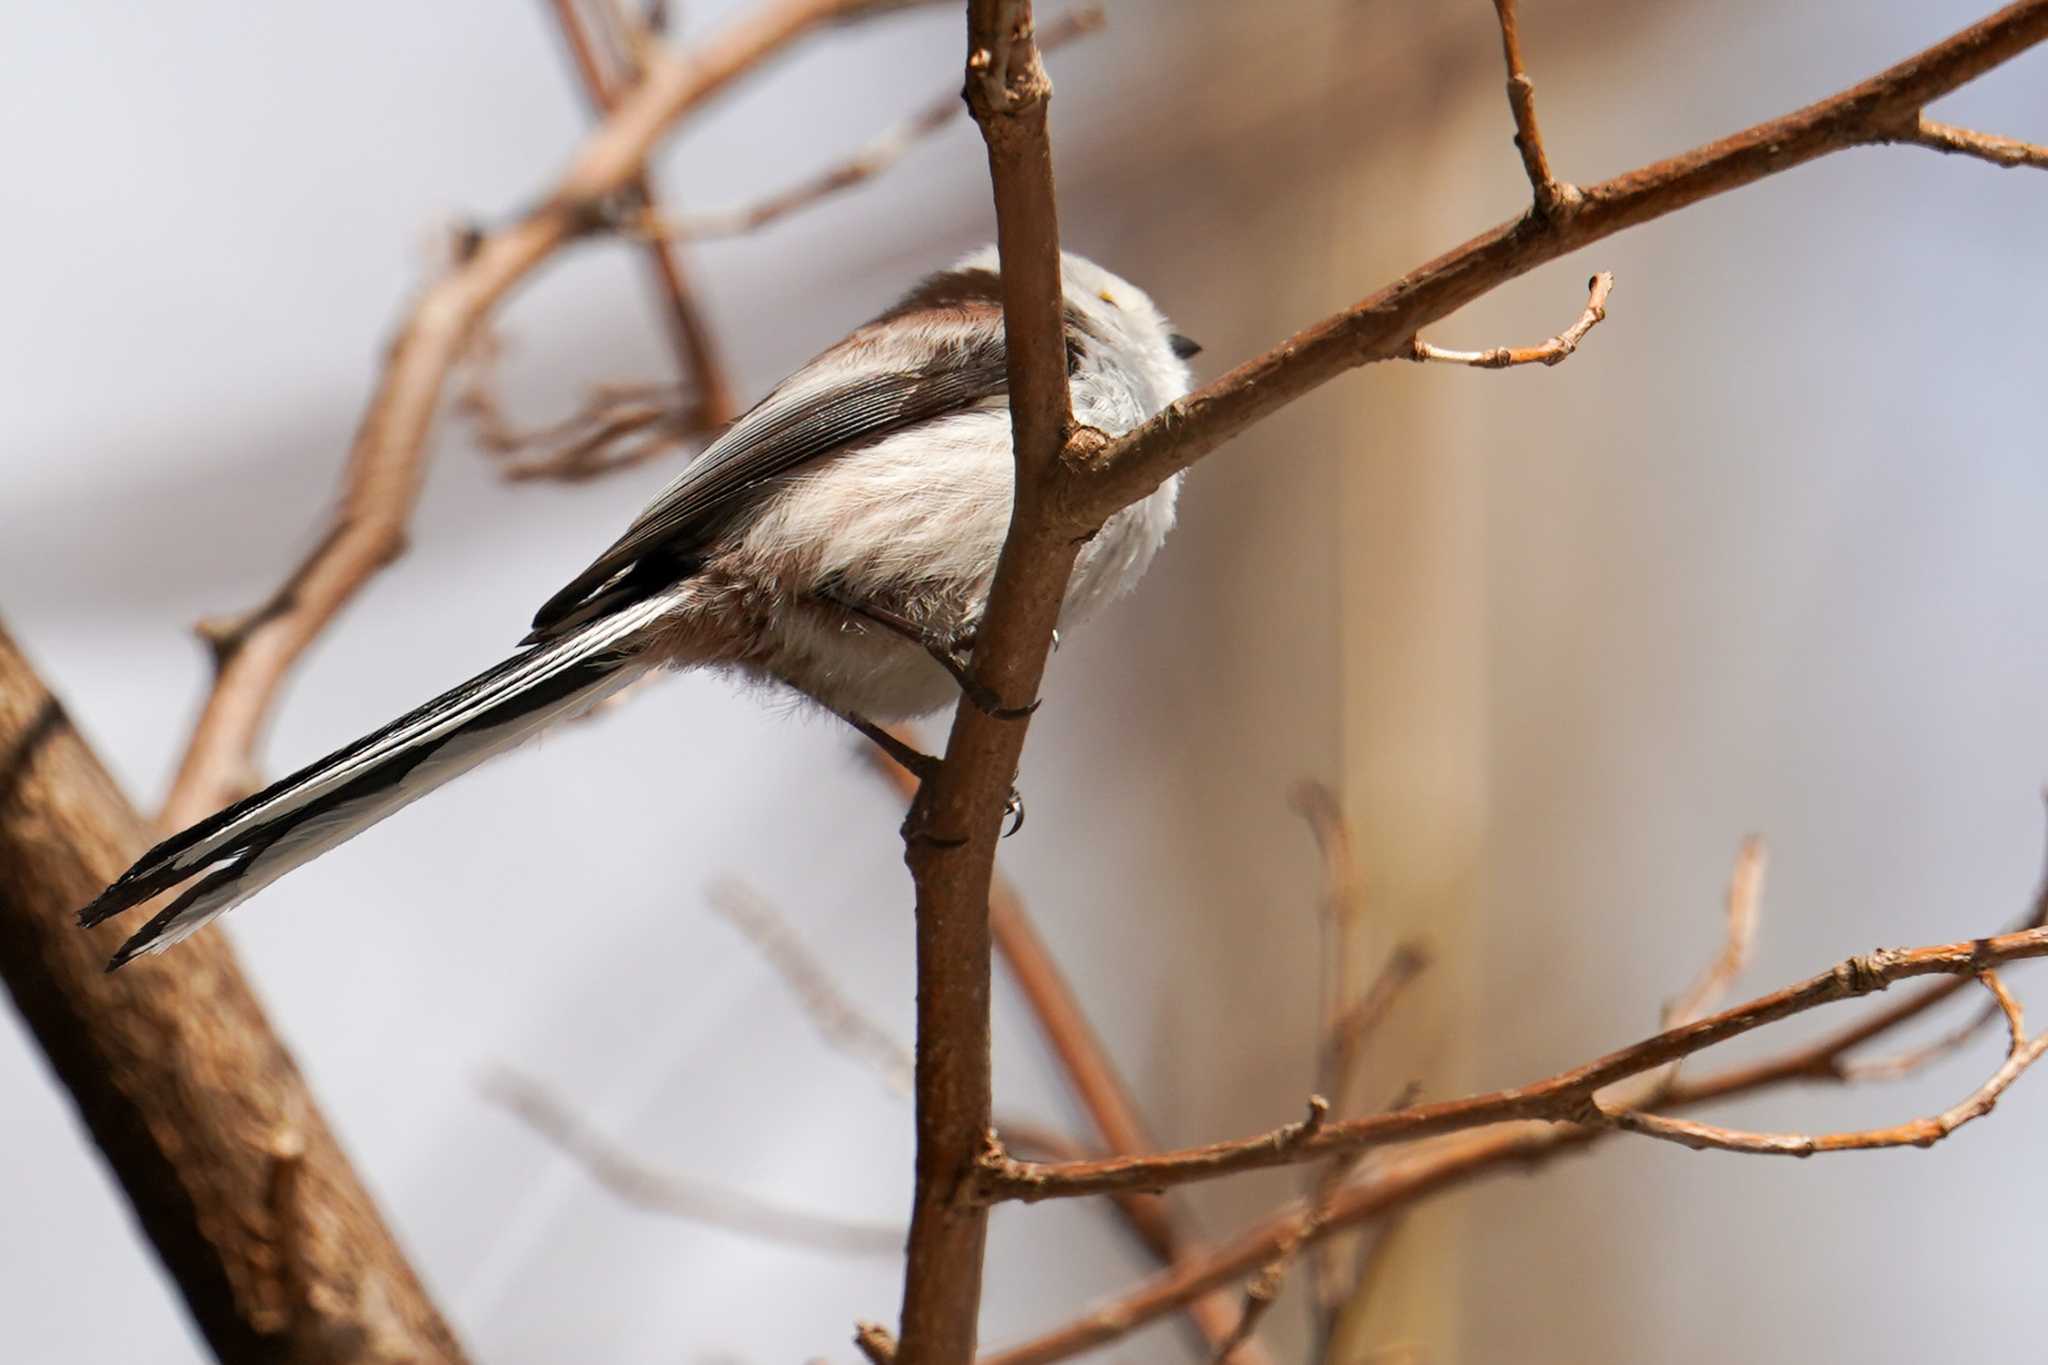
[(1765, 555)]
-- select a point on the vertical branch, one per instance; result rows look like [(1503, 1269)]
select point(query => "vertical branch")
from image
[(1102, 1092), (951, 831), (278, 1251), (1551, 197)]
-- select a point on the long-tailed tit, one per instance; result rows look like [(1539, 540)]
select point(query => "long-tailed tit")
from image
[(840, 539)]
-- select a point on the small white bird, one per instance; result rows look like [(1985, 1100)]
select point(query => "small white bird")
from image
[(840, 538)]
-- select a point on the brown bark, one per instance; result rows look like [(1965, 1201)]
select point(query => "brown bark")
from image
[(245, 1194)]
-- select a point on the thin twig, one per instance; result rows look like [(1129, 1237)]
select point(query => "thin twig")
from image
[(662, 1192), (1744, 905), (1902, 1064), (876, 1343), (1999, 151), (1552, 198), (1922, 1132), (1552, 352), (696, 348), (1567, 1097), (871, 160), (837, 1019)]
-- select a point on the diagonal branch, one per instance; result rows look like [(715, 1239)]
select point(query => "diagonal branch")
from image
[(871, 160), (261, 1224), (662, 1192), (1103, 477)]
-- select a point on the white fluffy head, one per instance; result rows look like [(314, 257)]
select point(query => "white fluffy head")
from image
[(1124, 317)]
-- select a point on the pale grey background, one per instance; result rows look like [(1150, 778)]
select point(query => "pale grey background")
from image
[(1766, 555)]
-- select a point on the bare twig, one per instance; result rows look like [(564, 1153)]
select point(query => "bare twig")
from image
[(616, 427), (1552, 198), (1342, 919), (661, 1192), (1552, 352), (696, 349), (1922, 1132), (871, 160), (875, 1342), (1744, 902), (1902, 1064), (1567, 1097), (838, 1020), (255, 650), (1101, 478), (1999, 151)]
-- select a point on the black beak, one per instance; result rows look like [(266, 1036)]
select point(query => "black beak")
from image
[(1184, 346)]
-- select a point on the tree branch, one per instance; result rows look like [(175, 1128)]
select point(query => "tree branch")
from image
[(951, 830), (1564, 1098), (277, 1249), (1103, 477)]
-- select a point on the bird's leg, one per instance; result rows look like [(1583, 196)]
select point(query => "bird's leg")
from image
[(923, 767), (951, 655)]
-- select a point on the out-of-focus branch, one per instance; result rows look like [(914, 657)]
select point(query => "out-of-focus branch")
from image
[(1744, 908), (253, 652), (1085, 1062), (1349, 1018), (663, 1192), (871, 160), (696, 348), (1999, 151), (1102, 477), (1552, 352), (837, 1019), (196, 1105)]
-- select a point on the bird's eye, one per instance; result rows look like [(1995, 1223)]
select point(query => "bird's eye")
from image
[(1106, 297), (1184, 346)]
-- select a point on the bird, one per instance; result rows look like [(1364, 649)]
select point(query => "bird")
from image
[(838, 539)]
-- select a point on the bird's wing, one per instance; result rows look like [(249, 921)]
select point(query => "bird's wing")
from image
[(864, 388)]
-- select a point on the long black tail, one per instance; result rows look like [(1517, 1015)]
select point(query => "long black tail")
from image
[(239, 851)]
